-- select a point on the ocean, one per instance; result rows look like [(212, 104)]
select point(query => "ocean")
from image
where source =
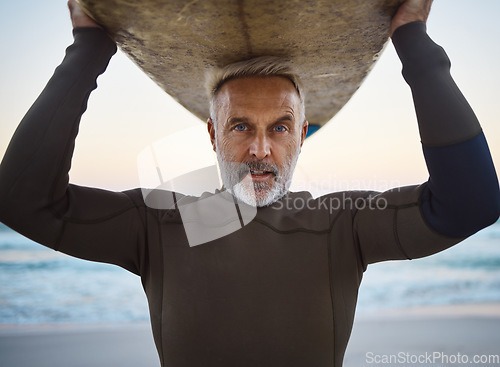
[(39, 285)]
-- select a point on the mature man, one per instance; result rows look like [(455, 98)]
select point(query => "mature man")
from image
[(281, 290)]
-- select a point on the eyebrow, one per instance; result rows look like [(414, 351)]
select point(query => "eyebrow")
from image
[(286, 117), (244, 120), (237, 120)]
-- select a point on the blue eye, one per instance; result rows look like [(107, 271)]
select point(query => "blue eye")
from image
[(279, 128), (240, 127)]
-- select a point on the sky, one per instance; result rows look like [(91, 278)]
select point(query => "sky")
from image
[(372, 143)]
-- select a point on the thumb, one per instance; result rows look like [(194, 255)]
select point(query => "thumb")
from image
[(78, 16)]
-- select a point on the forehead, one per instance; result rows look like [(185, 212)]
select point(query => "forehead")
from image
[(259, 95)]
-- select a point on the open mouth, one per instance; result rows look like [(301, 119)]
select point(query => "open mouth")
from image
[(260, 172), (257, 172)]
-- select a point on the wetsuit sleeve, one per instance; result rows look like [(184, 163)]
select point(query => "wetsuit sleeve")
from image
[(462, 194), (35, 195)]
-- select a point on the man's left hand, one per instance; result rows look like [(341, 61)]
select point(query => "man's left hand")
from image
[(410, 11)]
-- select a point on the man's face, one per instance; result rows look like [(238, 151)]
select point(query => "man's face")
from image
[(258, 137)]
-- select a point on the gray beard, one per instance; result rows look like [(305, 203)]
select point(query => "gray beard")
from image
[(237, 179)]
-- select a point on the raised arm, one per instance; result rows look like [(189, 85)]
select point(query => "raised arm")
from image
[(36, 198), (462, 194)]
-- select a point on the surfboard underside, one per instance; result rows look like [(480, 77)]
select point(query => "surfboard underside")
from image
[(331, 43)]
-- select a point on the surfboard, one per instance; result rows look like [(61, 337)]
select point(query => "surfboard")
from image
[(332, 44)]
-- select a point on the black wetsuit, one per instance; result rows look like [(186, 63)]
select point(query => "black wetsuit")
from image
[(282, 290)]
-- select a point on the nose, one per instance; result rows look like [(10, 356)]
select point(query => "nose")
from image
[(260, 146)]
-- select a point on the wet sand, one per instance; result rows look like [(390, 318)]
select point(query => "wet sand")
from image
[(431, 334)]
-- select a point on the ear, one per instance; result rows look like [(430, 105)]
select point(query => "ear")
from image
[(303, 135), (211, 132)]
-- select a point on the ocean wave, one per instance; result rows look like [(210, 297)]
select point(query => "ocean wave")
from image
[(42, 285)]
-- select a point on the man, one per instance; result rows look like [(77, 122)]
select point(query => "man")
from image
[(281, 290)]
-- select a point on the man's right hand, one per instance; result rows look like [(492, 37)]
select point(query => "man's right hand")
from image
[(78, 16)]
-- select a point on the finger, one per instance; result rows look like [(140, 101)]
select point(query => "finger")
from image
[(428, 8), (71, 6)]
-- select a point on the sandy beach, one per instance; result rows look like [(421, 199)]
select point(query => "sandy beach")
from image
[(428, 336), (77, 345)]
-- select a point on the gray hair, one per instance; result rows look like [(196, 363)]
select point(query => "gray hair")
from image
[(263, 66)]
